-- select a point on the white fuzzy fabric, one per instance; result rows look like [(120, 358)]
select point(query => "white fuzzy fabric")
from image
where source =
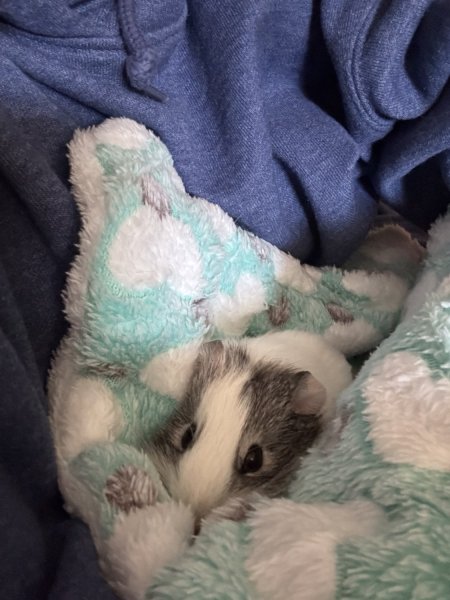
[(169, 372), (232, 314), (292, 553), (439, 235), (288, 272), (86, 178), (85, 411), (122, 132), (351, 338), (90, 416), (149, 250), (387, 291), (409, 412), (143, 542), (426, 285), (222, 224)]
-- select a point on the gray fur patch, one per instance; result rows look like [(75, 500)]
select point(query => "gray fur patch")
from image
[(284, 436), (280, 312), (153, 195), (215, 360), (130, 488), (339, 314)]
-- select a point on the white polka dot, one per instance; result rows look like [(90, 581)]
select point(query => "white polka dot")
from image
[(291, 273), (409, 412), (124, 133), (143, 542), (148, 251), (232, 314), (386, 290), (169, 372), (292, 551), (89, 414), (352, 338), (221, 223)]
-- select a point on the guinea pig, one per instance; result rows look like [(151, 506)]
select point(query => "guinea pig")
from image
[(252, 409)]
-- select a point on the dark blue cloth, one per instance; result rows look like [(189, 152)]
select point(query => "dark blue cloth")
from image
[(294, 115)]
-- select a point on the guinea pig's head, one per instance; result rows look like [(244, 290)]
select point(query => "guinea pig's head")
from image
[(242, 426)]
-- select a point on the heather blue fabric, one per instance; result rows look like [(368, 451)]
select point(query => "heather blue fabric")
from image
[(293, 115)]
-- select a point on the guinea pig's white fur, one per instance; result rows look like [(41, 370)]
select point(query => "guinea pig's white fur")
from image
[(203, 476), (308, 352)]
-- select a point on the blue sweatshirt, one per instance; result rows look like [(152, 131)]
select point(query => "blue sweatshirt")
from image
[(295, 116)]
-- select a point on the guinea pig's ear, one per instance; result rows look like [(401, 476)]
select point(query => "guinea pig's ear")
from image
[(309, 395)]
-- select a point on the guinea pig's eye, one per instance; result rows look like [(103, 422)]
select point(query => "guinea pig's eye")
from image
[(188, 436), (253, 460)]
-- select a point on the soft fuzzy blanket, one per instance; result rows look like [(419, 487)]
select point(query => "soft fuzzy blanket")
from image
[(157, 271)]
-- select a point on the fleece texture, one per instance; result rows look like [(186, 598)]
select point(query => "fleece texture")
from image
[(368, 513), (157, 272), (294, 116)]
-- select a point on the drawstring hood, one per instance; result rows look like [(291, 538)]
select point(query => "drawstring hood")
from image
[(293, 117), (146, 52), (148, 31), (139, 67)]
